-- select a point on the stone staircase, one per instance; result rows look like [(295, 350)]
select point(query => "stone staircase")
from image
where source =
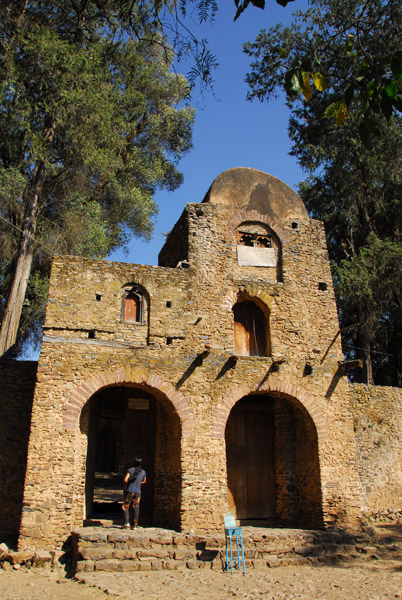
[(113, 549)]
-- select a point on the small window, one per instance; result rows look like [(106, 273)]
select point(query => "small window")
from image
[(134, 305), (254, 239)]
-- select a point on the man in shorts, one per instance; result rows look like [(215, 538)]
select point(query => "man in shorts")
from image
[(134, 478)]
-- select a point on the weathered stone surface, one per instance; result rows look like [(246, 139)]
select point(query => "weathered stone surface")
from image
[(181, 356), (151, 553), (97, 553), (42, 557), (3, 549), (18, 558)]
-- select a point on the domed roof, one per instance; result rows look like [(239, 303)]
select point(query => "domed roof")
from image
[(249, 189)]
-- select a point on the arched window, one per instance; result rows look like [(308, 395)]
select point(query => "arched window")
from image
[(133, 307), (257, 245), (250, 329)]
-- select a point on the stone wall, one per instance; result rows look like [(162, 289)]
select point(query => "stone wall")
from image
[(17, 385), (187, 364), (377, 416)]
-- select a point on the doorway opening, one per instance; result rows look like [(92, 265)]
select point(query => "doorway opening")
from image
[(125, 422), (251, 336), (272, 463)]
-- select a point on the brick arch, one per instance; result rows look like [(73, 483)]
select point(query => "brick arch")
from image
[(309, 401), (139, 278), (72, 408), (242, 216), (249, 292), (145, 281)]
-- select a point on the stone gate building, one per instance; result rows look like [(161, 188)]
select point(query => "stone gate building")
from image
[(222, 367)]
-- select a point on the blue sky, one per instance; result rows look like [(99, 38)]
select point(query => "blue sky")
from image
[(229, 131)]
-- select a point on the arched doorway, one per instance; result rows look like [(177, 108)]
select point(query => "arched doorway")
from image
[(123, 422), (272, 463)]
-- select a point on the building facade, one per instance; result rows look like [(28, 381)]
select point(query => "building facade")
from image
[(221, 367)]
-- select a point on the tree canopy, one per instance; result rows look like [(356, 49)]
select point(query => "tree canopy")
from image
[(353, 185), (371, 77), (352, 46), (92, 122)]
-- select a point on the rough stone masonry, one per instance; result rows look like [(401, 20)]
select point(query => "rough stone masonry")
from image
[(222, 367)]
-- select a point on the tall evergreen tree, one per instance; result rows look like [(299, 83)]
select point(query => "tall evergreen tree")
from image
[(355, 180), (92, 122)]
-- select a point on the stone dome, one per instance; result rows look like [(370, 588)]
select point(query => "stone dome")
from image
[(250, 189)]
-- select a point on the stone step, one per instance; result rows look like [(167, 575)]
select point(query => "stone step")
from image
[(115, 549)]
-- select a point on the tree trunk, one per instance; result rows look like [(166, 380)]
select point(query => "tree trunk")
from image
[(15, 301), (364, 345)]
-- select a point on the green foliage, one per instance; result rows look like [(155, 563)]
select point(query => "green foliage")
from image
[(353, 158), (357, 191), (351, 47), (87, 94)]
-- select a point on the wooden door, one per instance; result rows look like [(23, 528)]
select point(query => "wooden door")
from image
[(132, 308), (250, 459), (250, 330)]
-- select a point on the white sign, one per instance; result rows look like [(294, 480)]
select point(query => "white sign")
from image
[(248, 256)]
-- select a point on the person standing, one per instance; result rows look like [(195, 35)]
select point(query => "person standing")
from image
[(134, 478)]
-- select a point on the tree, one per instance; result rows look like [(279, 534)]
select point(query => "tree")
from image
[(357, 192), (367, 68), (354, 188), (92, 122), (371, 82)]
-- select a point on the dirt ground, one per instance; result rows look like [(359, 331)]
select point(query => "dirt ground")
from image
[(368, 582)]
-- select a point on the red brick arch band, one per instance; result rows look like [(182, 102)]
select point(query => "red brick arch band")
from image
[(289, 390), (72, 408)]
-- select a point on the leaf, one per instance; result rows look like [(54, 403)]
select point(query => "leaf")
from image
[(391, 90), (331, 110), (338, 111), (306, 87), (349, 93), (320, 81), (349, 43), (341, 114), (241, 7), (292, 81)]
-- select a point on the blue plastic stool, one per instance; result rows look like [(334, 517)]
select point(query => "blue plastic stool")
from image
[(231, 531)]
